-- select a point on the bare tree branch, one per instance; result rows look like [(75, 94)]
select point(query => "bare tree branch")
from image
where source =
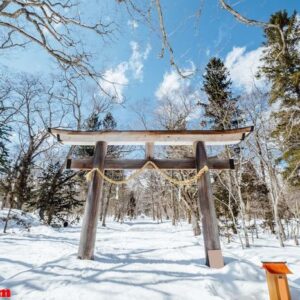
[(252, 22), (49, 25), (165, 41)]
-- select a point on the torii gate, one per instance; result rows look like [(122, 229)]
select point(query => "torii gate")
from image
[(149, 138)]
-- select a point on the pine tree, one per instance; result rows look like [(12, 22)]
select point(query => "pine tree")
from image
[(94, 123), (56, 195), (281, 66), (222, 113), (4, 134), (221, 109), (109, 123), (3, 149), (131, 206)]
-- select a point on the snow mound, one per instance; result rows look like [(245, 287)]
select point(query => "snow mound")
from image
[(18, 220)]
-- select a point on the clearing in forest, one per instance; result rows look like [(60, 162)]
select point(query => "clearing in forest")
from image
[(138, 259)]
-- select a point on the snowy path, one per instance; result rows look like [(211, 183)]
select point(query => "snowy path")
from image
[(138, 260)]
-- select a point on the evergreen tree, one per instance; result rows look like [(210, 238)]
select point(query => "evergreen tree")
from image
[(56, 195), (94, 123), (222, 113), (108, 123), (221, 109), (281, 66), (4, 134), (131, 206)]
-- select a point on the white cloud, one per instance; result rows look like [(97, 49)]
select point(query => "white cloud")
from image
[(133, 24), (243, 67), (170, 85), (136, 61), (116, 79), (179, 91), (173, 85)]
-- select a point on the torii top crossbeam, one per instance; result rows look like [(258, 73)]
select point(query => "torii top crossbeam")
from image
[(158, 137)]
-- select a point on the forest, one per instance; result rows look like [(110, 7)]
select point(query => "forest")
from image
[(260, 198)]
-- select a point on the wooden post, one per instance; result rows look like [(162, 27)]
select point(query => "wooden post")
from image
[(91, 213), (277, 280), (211, 239), (149, 151)]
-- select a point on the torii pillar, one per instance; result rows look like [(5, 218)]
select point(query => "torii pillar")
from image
[(213, 254), (92, 206)]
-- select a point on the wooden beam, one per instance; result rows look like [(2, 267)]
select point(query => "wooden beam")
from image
[(167, 164), (80, 164), (212, 245), (215, 163), (91, 213), (158, 137), (149, 151)]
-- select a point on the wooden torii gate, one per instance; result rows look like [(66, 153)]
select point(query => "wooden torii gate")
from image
[(149, 138)]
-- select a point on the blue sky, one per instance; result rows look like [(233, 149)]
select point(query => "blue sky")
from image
[(133, 51)]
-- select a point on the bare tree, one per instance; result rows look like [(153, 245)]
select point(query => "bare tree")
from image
[(34, 111), (266, 150), (53, 26)]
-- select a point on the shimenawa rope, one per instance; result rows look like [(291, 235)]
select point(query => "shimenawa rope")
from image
[(145, 166)]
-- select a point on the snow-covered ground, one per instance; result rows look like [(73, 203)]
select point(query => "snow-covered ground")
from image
[(135, 260)]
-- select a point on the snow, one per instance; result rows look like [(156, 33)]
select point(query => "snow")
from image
[(134, 260), (19, 220)]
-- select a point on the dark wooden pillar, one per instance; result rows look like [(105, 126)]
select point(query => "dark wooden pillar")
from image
[(92, 206), (211, 239)]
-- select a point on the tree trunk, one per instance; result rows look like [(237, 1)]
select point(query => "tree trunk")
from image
[(242, 205), (166, 212), (7, 219), (243, 213), (255, 225), (195, 224), (296, 237), (173, 207), (106, 207), (278, 225), (5, 198), (153, 207), (189, 216)]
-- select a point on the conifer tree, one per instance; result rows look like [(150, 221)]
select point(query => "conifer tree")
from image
[(56, 195), (4, 134), (94, 123), (222, 113), (221, 109), (281, 66), (131, 206), (3, 148)]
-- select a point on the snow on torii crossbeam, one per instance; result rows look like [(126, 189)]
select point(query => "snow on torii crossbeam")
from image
[(149, 138)]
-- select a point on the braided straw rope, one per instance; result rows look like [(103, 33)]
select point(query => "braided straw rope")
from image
[(145, 166)]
